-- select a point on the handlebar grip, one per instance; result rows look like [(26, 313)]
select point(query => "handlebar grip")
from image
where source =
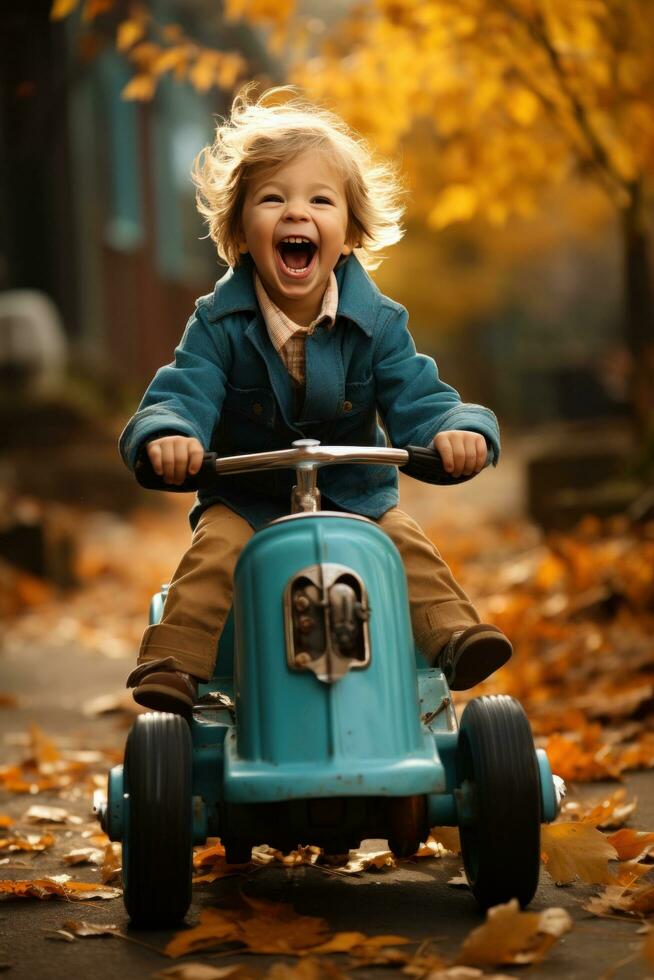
[(147, 478), (427, 465)]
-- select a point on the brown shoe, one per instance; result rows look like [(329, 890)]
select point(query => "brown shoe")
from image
[(472, 655), (161, 687)]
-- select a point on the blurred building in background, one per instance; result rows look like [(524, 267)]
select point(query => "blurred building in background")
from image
[(99, 209)]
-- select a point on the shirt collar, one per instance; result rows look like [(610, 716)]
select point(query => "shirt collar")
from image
[(281, 326)]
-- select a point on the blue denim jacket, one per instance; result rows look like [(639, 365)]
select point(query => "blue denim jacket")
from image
[(228, 388)]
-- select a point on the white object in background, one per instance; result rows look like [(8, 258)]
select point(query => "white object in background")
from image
[(33, 344)]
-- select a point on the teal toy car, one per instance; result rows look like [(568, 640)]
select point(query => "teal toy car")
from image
[(323, 723)]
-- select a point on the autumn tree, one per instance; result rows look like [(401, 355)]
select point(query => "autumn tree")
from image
[(509, 97), (518, 94)]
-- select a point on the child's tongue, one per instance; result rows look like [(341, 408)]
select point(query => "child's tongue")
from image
[(296, 257)]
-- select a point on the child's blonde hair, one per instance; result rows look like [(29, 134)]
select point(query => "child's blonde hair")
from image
[(262, 136)]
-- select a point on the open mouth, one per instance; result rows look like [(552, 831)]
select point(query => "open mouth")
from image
[(296, 257)]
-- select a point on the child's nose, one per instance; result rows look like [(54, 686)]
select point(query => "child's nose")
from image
[(296, 211)]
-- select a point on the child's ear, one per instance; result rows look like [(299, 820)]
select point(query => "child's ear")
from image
[(349, 247)]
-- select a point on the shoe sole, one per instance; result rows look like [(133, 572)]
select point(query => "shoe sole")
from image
[(490, 651), (158, 697)]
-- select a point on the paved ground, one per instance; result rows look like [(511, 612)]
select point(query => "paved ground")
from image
[(53, 682)]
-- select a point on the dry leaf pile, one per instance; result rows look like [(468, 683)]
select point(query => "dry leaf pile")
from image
[(579, 610), (69, 772)]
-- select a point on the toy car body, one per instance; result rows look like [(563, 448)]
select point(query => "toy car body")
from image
[(323, 724)]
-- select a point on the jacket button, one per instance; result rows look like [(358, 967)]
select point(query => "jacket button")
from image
[(257, 408), (347, 406)]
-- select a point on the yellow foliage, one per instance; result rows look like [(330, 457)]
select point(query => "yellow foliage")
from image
[(458, 202), (129, 32), (523, 106), (62, 8), (140, 88), (534, 91)]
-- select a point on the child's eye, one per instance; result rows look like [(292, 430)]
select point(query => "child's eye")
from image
[(271, 197), (325, 199)]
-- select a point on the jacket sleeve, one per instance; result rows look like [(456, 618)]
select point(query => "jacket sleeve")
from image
[(412, 400), (184, 397)]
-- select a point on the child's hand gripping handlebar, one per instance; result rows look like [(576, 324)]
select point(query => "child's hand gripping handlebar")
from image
[(306, 456)]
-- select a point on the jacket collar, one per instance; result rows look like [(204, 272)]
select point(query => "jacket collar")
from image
[(359, 298)]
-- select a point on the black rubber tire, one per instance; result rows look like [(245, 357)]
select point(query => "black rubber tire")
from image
[(500, 842), (158, 838)]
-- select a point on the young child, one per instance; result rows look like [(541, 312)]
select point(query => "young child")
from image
[(296, 341)]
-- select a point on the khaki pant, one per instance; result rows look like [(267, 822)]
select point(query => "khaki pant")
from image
[(200, 594)]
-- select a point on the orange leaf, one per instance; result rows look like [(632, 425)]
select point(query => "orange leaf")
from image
[(510, 936), (33, 842), (55, 887), (631, 844), (576, 850)]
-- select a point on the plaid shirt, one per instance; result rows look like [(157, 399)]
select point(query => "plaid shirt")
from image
[(288, 338)]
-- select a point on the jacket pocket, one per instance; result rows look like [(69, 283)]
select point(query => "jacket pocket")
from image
[(257, 405), (359, 396)]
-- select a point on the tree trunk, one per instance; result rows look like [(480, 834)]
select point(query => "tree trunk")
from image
[(639, 315)]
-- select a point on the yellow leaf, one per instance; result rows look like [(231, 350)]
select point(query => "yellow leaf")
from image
[(62, 8), (576, 850), (510, 936), (140, 88), (523, 106), (202, 74), (458, 202), (129, 32)]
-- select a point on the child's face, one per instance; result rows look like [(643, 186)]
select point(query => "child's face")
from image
[(303, 197)]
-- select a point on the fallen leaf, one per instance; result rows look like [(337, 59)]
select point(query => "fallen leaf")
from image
[(203, 971), (576, 850), (50, 814), (6, 820), (611, 812), (633, 902), (631, 844), (430, 849), (358, 943), (31, 842), (87, 929), (448, 837), (56, 886), (112, 863), (464, 973), (271, 927), (216, 927), (510, 936), (203, 856), (370, 856), (307, 969), (84, 855)]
